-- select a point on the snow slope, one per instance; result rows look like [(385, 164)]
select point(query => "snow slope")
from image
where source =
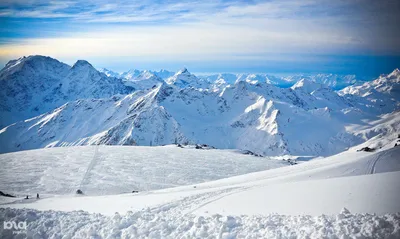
[(100, 170), (283, 202), (345, 177), (263, 119)]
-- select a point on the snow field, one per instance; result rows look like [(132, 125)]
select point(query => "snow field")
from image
[(119, 169), (300, 201), (161, 224)]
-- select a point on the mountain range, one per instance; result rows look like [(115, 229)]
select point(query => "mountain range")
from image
[(46, 103)]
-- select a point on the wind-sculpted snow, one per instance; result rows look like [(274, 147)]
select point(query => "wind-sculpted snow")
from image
[(162, 223)]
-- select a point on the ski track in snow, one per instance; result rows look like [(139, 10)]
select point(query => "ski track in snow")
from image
[(373, 162), (90, 167)]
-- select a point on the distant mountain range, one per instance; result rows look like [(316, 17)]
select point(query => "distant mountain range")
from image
[(46, 103), (218, 81)]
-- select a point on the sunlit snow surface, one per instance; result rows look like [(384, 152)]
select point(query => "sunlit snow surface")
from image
[(283, 202), (99, 170)]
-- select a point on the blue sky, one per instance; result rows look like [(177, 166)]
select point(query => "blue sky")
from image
[(345, 37)]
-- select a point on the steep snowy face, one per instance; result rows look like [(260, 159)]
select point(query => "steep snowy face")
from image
[(34, 67), (84, 81), (379, 96), (120, 120), (184, 78), (33, 85), (25, 84)]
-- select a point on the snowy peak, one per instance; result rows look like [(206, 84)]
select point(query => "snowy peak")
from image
[(385, 84), (183, 71), (183, 78), (33, 85), (395, 73), (82, 63), (394, 76), (84, 81), (34, 65), (381, 95)]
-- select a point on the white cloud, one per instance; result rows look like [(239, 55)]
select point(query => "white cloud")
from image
[(208, 30)]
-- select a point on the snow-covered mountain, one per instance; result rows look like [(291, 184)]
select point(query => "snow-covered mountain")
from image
[(33, 85), (381, 95), (133, 73), (218, 82), (331, 80), (334, 81), (184, 78), (145, 80), (109, 73), (308, 118), (163, 74)]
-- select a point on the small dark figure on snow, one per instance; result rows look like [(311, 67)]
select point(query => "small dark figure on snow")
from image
[(27, 197), (79, 191), (366, 149), (37, 195)]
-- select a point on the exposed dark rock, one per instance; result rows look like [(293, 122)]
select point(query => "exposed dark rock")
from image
[(366, 149), (6, 195)]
